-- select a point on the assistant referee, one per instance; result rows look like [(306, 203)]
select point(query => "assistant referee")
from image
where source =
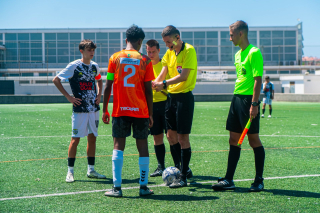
[(180, 63), (244, 105)]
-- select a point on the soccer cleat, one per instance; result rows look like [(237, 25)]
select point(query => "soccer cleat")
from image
[(223, 184), (256, 187), (157, 172), (189, 174), (114, 192), (269, 116), (262, 116), (94, 174), (145, 191), (69, 178), (180, 182)]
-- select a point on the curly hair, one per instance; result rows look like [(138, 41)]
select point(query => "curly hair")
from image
[(134, 34)]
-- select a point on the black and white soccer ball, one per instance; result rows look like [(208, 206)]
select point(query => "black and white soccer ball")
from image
[(170, 174)]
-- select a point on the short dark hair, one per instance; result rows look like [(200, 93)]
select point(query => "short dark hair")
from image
[(87, 44), (169, 31), (134, 34), (240, 26), (267, 77), (153, 43)]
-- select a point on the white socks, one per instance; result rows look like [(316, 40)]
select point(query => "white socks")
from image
[(117, 164), (90, 168), (144, 170), (70, 169)]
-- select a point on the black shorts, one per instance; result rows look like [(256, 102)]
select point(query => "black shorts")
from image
[(179, 112), (121, 127), (239, 115), (159, 118)]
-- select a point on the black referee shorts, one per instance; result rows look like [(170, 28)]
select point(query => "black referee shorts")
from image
[(239, 115), (159, 118), (179, 112)]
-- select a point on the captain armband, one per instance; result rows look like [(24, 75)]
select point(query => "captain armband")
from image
[(110, 76)]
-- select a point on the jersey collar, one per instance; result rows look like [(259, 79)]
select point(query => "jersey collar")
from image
[(182, 48)]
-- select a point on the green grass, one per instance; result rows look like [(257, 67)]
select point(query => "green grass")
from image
[(34, 140)]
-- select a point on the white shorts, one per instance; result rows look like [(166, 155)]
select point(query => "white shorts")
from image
[(84, 124), (267, 101)]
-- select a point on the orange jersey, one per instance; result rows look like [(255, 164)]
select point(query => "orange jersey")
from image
[(131, 69)]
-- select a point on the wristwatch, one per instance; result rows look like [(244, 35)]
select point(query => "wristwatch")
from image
[(164, 84), (255, 103)]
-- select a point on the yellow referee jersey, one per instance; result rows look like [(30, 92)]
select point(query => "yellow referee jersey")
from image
[(158, 96), (186, 59)]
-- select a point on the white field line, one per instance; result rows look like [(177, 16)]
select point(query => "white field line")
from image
[(152, 186), (196, 135)]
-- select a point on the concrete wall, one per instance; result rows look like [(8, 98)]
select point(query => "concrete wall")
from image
[(200, 88), (312, 84), (200, 97), (297, 97), (39, 89)]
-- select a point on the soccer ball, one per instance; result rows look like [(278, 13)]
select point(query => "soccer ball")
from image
[(170, 174)]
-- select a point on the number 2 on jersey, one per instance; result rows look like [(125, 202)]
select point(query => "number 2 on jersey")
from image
[(133, 69)]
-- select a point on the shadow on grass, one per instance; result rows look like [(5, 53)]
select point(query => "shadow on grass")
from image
[(293, 193), (198, 178), (110, 181), (178, 197), (283, 192)]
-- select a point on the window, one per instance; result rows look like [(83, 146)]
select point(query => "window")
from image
[(101, 53), (265, 34), (50, 47), (36, 47), (75, 39), (290, 34)]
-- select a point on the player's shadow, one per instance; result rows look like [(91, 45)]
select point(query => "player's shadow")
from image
[(293, 193), (110, 181), (198, 178), (178, 197), (283, 192), (97, 181)]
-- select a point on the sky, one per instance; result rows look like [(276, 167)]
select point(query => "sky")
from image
[(16, 14)]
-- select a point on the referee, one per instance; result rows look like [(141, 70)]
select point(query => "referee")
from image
[(244, 105), (180, 63)]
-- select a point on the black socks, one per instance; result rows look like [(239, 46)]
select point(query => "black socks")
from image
[(234, 156), (259, 156), (176, 154), (160, 151)]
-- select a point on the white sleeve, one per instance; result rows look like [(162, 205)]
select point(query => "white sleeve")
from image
[(67, 72)]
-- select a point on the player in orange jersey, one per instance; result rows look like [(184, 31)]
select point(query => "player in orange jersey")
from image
[(130, 73)]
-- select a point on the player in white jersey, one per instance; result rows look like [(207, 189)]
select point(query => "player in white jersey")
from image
[(82, 75), (268, 91)]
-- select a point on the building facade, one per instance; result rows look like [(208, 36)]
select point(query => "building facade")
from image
[(55, 48)]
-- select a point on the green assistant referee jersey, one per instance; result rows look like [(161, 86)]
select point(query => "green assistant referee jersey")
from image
[(249, 64), (186, 59)]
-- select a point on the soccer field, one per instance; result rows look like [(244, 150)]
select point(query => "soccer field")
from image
[(33, 160)]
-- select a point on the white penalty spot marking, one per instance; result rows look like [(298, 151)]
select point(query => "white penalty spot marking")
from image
[(152, 186)]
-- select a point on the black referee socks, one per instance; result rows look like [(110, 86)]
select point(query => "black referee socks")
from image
[(176, 154), (160, 151), (259, 156), (185, 160), (234, 156)]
